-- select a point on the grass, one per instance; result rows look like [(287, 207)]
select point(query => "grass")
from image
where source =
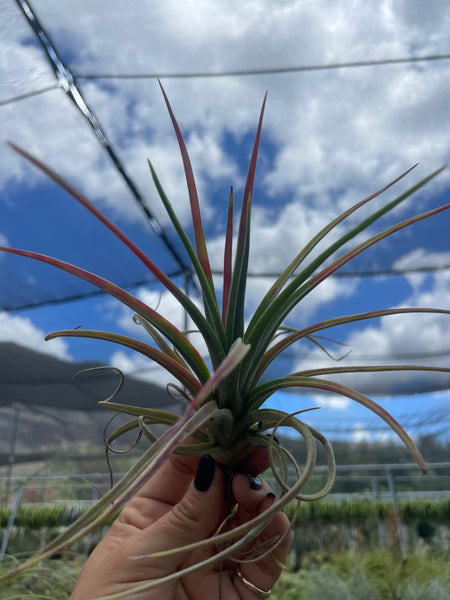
[(335, 525), (374, 575), (323, 513), (226, 392), (52, 580)]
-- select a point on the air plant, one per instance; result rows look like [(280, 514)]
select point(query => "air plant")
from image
[(225, 417)]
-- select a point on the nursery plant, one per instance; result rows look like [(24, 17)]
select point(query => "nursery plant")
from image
[(225, 393)]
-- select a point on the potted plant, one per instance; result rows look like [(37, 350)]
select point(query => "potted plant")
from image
[(225, 417)]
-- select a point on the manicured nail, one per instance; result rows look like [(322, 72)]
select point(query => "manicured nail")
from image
[(274, 437), (271, 497), (205, 473), (255, 483)]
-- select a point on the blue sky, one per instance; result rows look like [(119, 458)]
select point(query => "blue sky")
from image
[(330, 138)]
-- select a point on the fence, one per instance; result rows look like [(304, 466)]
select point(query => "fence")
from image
[(366, 508), (391, 482)]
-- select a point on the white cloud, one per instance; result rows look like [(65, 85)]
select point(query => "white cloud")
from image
[(338, 403), (360, 433), (334, 136), (435, 294), (410, 337), (420, 258), (22, 331), (167, 306), (333, 130), (277, 237), (140, 367)]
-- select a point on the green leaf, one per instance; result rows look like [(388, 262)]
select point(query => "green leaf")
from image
[(261, 331), (235, 311), (139, 474), (172, 366), (306, 250), (180, 341), (200, 321), (259, 394), (368, 369), (227, 259), (217, 350), (193, 198), (280, 346)]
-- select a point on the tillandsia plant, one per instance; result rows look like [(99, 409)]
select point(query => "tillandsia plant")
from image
[(225, 417)]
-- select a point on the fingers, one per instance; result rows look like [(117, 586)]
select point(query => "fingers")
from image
[(125, 556), (158, 495), (254, 497), (170, 483), (252, 494), (171, 480), (132, 556), (193, 518), (168, 486), (256, 463)]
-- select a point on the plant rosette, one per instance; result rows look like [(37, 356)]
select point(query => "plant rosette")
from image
[(225, 393)]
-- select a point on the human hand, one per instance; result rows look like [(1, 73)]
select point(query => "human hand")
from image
[(168, 512)]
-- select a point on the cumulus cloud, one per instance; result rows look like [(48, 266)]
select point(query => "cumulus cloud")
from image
[(397, 116), (360, 433), (420, 258), (414, 339), (277, 237), (140, 367), (167, 306), (22, 331), (329, 139), (337, 403)]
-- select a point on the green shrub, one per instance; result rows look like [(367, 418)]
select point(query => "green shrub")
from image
[(376, 575), (325, 512), (437, 589), (425, 510), (379, 575), (53, 579)]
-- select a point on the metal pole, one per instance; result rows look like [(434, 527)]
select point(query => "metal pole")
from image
[(398, 525), (12, 515), (376, 494), (12, 452), (69, 84)]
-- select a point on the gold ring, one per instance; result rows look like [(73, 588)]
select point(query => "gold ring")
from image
[(252, 587)]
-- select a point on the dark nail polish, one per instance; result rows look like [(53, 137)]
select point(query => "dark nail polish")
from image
[(205, 473), (255, 483)]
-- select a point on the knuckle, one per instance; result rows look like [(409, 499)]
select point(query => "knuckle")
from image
[(185, 513)]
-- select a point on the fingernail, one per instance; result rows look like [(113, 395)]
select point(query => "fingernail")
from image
[(205, 473), (271, 497), (255, 483), (274, 437)]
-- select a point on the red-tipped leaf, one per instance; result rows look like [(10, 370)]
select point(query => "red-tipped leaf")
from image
[(227, 259), (180, 341), (200, 243)]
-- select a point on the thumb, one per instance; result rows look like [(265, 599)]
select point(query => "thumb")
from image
[(194, 518)]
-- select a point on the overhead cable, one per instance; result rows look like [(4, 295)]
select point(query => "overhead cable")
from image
[(29, 94), (347, 274), (239, 72), (84, 295), (217, 273), (265, 70), (68, 83)]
